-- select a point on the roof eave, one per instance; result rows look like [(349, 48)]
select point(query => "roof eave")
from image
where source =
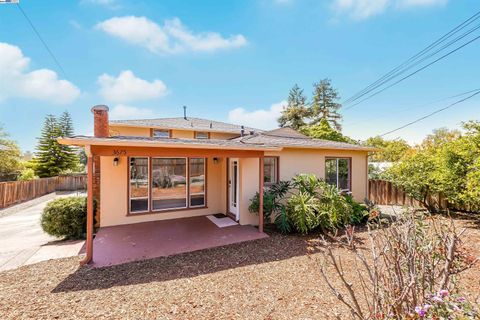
[(157, 144)]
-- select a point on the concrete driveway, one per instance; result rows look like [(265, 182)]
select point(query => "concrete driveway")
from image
[(22, 240)]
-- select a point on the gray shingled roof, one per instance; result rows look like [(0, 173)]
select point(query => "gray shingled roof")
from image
[(212, 143), (185, 124), (289, 138)]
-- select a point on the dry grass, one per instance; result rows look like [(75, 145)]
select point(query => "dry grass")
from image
[(274, 278)]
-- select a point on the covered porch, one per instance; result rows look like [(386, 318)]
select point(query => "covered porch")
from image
[(121, 244), (125, 235)]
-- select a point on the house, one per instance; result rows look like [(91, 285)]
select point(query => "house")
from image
[(157, 169)]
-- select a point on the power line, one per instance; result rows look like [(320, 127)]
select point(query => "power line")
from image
[(413, 73), (385, 115), (414, 64), (43, 41), (432, 113), (412, 60)]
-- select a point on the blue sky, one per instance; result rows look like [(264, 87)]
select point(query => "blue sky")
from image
[(228, 60)]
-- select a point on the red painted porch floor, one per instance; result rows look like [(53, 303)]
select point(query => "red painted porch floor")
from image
[(147, 240)]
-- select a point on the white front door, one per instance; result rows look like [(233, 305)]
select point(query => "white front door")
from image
[(233, 187)]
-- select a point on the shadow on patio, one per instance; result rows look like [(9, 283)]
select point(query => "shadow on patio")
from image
[(274, 248)]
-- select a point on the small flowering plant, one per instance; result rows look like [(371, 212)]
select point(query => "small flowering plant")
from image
[(443, 305)]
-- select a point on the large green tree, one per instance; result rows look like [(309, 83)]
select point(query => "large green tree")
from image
[(391, 150), (296, 112), (324, 131), (52, 158), (10, 157), (325, 104)]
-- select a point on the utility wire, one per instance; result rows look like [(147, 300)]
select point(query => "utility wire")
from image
[(386, 115), (412, 59), (416, 63), (413, 73), (43, 41), (432, 113)]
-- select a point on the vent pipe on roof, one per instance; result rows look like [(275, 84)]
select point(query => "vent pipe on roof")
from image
[(185, 112), (242, 132)]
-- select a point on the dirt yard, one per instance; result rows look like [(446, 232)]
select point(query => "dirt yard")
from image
[(273, 278)]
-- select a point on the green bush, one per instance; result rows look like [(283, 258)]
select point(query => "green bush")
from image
[(65, 217), (307, 203)]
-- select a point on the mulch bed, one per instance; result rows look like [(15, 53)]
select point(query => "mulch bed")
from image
[(274, 278)]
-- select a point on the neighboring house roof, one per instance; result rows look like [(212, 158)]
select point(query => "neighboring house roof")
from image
[(289, 138), (181, 123)]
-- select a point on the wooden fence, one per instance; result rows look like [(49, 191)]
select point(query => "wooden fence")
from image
[(15, 192), (385, 193)]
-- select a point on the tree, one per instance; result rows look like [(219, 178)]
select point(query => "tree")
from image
[(324, 131), (69, 154), (296, 112), (391, 150), (325, 104), (10, 158), (53, 158)]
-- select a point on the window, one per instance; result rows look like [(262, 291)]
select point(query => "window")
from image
[(169, 183), (270, 168), (337, 172), (160, 133), (201, 135), (139, 184), (197, 182)]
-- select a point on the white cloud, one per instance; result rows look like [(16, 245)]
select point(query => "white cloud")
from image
[(362, 9), (127, 87), (172, 37), (41, 84), (261, 118), (122, 112)]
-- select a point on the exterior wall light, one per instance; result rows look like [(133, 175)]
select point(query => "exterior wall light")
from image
[(215, 160), (115, 162)]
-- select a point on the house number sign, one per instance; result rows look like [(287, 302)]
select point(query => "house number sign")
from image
[(119, 152)]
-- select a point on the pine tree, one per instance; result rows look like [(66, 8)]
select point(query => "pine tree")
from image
[(325, 104), (52, 158), (296, 112), (69, 154)]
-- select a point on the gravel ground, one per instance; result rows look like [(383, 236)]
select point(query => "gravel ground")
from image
[(273, 278)]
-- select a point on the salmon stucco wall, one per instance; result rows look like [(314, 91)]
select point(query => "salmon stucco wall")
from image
[(296, 161), (183, 134), (129, 131), (114, 197)]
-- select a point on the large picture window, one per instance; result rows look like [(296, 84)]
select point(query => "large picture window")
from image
[(169, 183), (270, 168), (197, 182), (337, 172), (139, 184), (158, 184)]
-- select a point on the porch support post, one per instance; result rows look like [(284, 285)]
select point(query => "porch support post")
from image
[(260, 194), (89, 240)]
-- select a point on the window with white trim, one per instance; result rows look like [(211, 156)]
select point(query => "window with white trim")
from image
[(270, 169), (201, 135), (337, 173), (160, 133)]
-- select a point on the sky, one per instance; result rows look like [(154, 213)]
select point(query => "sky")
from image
[(231, 61)]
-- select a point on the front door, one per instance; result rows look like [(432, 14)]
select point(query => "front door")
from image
[(233, 187)]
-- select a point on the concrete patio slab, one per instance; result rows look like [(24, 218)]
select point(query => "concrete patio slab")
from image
[(133, 242)]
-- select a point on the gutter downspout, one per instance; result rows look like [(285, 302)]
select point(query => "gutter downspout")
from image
[(89, 241)]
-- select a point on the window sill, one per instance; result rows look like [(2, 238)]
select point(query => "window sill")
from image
[(133, 214)]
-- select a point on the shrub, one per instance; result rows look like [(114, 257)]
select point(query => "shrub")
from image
[(410, 267), (360, 212), (272, 197), (65, 217), (27, 174)]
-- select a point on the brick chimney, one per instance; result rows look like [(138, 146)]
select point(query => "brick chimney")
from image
[(100, 121)]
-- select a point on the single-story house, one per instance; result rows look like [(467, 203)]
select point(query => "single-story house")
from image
[(170, 168)]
